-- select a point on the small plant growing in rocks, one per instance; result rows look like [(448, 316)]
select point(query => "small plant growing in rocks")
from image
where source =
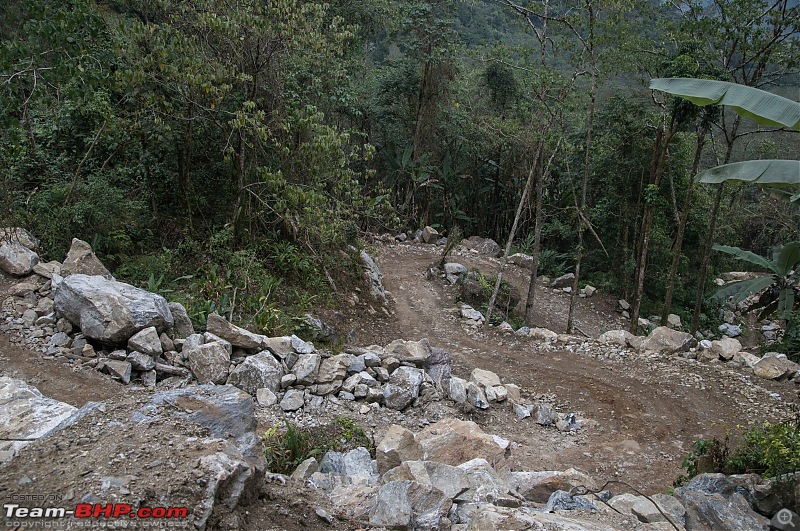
[(288, 445)]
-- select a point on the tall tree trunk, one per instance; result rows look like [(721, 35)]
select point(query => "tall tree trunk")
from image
[(586, 161), (537, 244), (684, 218), (522, 200), (656, 172), (698, 301), (239, 176)]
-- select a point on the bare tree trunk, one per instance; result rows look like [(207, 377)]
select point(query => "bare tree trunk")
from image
[(537, 244), (586, 160), (698, 302), (522, 200), (657, 171), (684, 218), (240, 166)]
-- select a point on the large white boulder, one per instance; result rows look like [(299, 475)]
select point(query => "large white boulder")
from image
[(110, 311)]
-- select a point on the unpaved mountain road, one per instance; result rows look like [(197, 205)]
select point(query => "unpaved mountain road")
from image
[(644, 412)]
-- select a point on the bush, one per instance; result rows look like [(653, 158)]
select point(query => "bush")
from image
[(770, 450), (286, 448)]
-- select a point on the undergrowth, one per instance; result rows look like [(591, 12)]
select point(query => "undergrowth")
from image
[(771, 450), (287, 445)]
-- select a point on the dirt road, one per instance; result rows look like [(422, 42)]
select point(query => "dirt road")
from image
[(644, 413)]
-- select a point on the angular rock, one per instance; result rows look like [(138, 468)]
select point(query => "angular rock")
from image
[(292, 400), (210, 362), (147, 342), (141, 361), (266, 398), (454, 272), (449, 479), (26, 415), (452, 441), (110, 311), (564, 281), (543, 334), (416, 352), (430, 235), (726, 348), (484, 378), (665, 340), (17, 260), (468, 312), (47, 269), (616, 337), (772, 368), (522, 260), (306, 367), (486, 246), (182, 325), (438, 366), (730, 330), (397, 445), (235, 335), (476, 397), (82, 260), (19, 236), (486, 485), (564, 501), (670, 509), (300, 346), (712, 512), (402, 388), (374, 277), (457, 390), (409, 505), (260, 371), (119, 369), (305, 469), (746, 359)]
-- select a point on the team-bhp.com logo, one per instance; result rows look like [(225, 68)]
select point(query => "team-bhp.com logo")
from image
[(14, 511)]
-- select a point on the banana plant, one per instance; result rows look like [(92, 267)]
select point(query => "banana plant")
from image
[(765, 108), (777, 288)]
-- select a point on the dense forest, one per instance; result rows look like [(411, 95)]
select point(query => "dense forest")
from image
[(233, 154)]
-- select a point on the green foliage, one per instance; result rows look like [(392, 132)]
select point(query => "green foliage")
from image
[(288, 446), (770, 450), (780, 286)]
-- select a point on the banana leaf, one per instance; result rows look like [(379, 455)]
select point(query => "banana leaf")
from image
[(747, 256), (763, 107), (741, 290)]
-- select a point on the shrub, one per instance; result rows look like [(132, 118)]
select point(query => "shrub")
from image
[(286, 448), (770, 450)]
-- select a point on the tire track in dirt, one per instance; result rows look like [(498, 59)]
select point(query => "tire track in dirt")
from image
[(644, 416)]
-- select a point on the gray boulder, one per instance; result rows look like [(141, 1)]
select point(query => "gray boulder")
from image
[(146, 341), (110, 311), (210, 362), (20, 236), (182, 324), (374, 277), (292, 400), (402, 388), (485, 246), (16, 259), (305, 368), (564, 281), (409, 505), (82, 260), (235, 335), (397, 446), (522, 260), (416, 352), (713, 512), (26, 415), (665, 340), (260, 371)]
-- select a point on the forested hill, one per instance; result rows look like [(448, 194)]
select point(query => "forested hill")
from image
[(218, 148)]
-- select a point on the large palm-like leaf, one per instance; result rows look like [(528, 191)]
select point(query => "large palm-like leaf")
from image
[(766, 172), (763, 107), (744, 289), (788, 258), (747, 256)]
